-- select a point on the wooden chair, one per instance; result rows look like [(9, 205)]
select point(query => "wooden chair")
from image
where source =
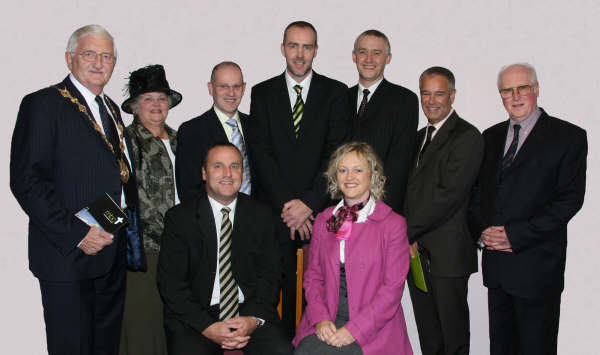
[(299, 277)]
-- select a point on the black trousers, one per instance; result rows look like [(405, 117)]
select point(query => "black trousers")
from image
[(523, 326), (270, 339), (84, 317), (442, 314)]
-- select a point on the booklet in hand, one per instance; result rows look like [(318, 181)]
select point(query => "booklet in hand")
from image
[(104, 213), (416, 268)]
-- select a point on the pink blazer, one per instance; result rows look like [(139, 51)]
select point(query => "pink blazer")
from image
[(377, 262)]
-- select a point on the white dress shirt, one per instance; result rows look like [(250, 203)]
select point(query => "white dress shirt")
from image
[(363, 213), (216, 209), (290, 82), (360, 95)]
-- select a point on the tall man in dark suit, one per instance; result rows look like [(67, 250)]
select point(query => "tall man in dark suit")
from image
[(383, 114), (221, 123), (532, 182), (445, 167), (69, 149), (218, 269), (296, 120)]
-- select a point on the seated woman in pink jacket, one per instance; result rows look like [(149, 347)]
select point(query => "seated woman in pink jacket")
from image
[(357, 265)]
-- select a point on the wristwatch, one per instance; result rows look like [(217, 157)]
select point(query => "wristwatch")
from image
[(259, 322)]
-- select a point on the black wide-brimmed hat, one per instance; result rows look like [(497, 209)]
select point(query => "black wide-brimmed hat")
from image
[(151, 78)]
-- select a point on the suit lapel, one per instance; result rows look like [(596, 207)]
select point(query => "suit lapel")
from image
[(244, 122), (315, 93), (218, 127), (282, 107), (353, 97), (375, 102), (419, 143), (441, 137), (80, 99), (76, 94), (535, 141), (206, 223), (496, 152), (241, 223)]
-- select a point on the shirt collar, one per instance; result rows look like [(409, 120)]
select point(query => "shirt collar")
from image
[(529, 122), (371, 88), (439, 124), (223, 117), (304, 83), (85, 92), (363, 213), (217, 206)]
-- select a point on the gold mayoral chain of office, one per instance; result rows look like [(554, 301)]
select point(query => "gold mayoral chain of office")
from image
[(124, 171)]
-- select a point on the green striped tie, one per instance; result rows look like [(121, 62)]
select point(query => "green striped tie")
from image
[(298, 110)]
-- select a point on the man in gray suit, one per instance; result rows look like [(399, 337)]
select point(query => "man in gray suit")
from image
[(448, 156)]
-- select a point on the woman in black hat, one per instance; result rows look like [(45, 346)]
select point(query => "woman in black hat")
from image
[(154, 144)]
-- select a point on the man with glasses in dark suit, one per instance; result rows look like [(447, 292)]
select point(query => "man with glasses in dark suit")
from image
[(69, 148), (221, 123), (532, 182)]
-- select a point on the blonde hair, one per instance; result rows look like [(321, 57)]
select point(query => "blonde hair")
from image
[(375, 165)]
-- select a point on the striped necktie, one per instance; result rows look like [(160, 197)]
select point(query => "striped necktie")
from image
[(229, 299), (509, 157), (298, 110), (238, 141)]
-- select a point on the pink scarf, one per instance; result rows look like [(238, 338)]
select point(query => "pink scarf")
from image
[(341, 222)]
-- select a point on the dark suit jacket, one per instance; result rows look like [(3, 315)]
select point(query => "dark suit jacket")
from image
[(535, 199), (286, 167), (60, 164), (437, 197), (389, 125), (188, 260), (194, 138)]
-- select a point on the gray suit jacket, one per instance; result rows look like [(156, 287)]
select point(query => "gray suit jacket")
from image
[(437, 197)]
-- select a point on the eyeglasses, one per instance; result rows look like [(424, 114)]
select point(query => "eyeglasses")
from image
[(91, 56), (523, 90), (225, 87)]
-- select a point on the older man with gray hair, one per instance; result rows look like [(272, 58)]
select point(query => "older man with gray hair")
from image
[(69, 149), (531, 183)]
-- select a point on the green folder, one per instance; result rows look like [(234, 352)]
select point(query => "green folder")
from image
[(416, 269)]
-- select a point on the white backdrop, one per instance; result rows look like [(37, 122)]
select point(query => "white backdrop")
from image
[(474, 39)]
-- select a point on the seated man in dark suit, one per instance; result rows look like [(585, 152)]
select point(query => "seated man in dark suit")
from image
[(383, 114), (445, 167), (69, 148), (221, 123), (532, 182), (218, 269)]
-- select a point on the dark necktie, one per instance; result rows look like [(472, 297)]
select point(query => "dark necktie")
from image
[(229, 299), (110, 131), (363, 104), (430, 130), (509, 157), (298, 110)]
